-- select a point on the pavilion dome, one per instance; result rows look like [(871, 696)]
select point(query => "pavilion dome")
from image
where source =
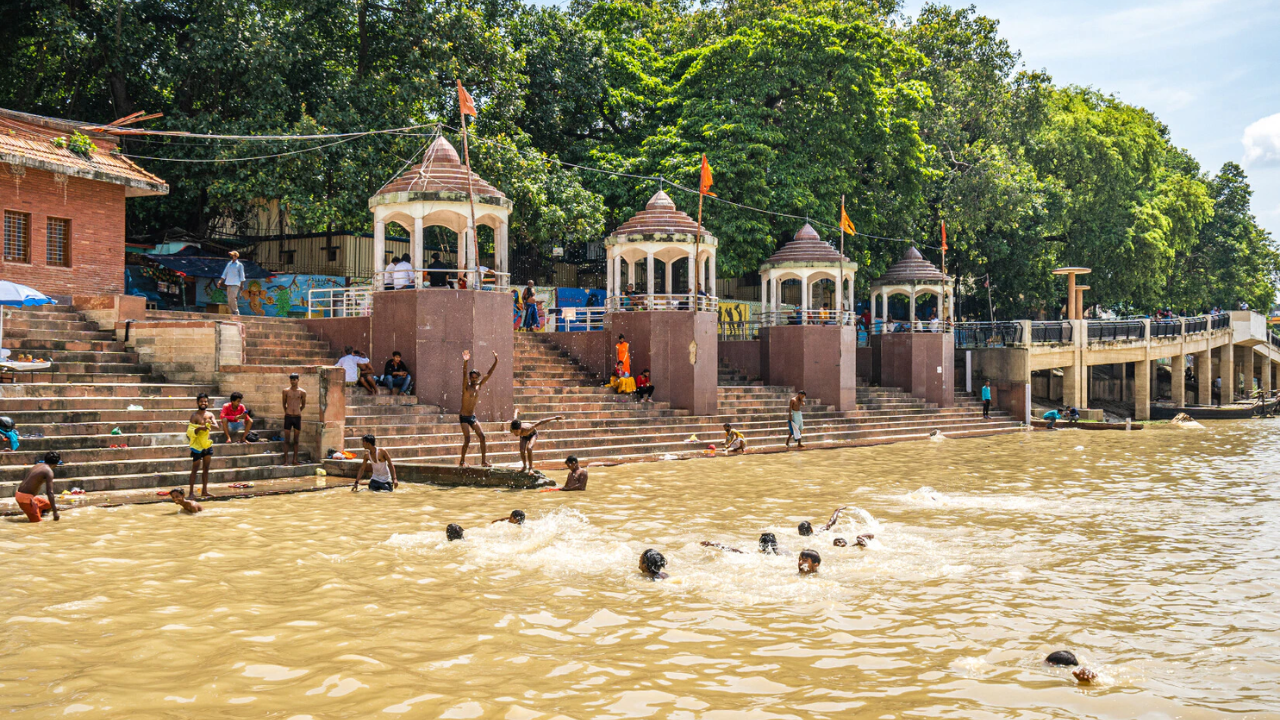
[(660, 218), (911, 268), (807, 248), (441, 171)]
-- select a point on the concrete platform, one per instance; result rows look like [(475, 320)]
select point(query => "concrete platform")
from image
[(449, 475)]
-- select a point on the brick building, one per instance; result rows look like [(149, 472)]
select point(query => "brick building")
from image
[(63, 219)]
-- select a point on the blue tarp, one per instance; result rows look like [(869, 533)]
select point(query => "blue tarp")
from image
[(206, 267)]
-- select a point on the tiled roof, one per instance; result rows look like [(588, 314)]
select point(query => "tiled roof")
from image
[(441, 170), (806, 247), (912, 267), (25, 141), (660, 217)]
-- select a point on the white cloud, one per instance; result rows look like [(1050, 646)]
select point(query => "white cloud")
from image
[(1262, 143)]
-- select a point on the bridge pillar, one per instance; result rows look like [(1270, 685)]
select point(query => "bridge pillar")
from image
[(1265, 381), (1142, 390), (1071, 386), (1122, 369), (1226, 372), (1204, 378), (1178, 374)]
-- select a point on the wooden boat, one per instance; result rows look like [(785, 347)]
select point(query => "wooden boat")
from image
[(1063, 424)]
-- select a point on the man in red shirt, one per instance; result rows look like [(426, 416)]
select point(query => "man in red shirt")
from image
[(235, 419)]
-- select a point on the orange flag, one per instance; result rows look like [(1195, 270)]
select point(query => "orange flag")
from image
[(944, 236), (465, 103), (705, 186), (846, 224)]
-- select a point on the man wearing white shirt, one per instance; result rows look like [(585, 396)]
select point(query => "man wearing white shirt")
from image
[(351, 364), (403, 276), (232, 278)]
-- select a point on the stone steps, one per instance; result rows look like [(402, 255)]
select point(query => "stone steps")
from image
[(170, 479)]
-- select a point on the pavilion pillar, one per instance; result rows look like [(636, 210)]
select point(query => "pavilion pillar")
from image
[(617, 276), (940, 308), (693, 272), (648, 273), (666, 266), (911, 318), (804, 294), (415, 252), (500, 251), (1178, 376), (379, 249), (764, 294), (711, 276)]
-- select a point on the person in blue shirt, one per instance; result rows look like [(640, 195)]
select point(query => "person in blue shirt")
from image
[(1052, 418), (232, 278), (986, 400), (8, 434)]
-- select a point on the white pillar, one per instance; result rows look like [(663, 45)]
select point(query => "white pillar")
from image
[(941, 311), (804, 293), (500, 251), (839, 299), (666, 272), (911, 318), (648, 273), (608, 275), (693, 272), (617, 275), (379, 249), (711, 275), (415, 252)]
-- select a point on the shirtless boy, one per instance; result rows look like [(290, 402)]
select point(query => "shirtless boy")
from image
[(39, 476), (528, 435), (190, 507), (198, 427), (471, 384), (577, 479), (294, 401)]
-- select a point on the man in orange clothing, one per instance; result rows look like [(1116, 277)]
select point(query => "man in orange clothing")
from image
[(28, 493), (624, 354)]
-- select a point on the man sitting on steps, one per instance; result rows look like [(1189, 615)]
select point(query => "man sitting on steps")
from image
[(235, 419)]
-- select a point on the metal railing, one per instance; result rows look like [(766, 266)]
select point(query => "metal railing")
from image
[(888, 327), (988, 334), (1051, 331), (1166, 328), (575, 319), (1110, 330), (636, 302), (1275, 339), (771, 318), (422, 277), (739, 329), (340, 302), (1221, 321), (1195, 325)]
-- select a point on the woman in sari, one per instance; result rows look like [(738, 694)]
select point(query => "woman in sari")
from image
[(529, 299)]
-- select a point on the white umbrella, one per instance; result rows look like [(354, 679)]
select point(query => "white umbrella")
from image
[(14, 295)]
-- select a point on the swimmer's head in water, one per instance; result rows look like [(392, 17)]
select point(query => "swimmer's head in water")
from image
[(652, 562), (571, 462), (864, 538), (805, 529), (516, 517), (177, 494), (840, 542), (768, 544), (453, 532), (52, 458), (809, 562), (1062, 658), (369, 441)]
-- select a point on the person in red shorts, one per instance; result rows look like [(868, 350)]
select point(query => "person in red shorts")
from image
[(28, 494)]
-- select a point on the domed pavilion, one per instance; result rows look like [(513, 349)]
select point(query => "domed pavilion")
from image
[(808, 259), (660, 233), (913, 276), (435, 192)]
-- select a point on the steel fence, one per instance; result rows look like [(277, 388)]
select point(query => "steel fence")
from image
[(1166, 328), (988, 334), (1221, 321), (1051, 331), (1195, 325), (1109, 330)]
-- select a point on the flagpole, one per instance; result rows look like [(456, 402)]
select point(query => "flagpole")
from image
[(840, 280), (471, 196), (697, 245)]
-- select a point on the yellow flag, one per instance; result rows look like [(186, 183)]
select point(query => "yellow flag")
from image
[(846, 224)]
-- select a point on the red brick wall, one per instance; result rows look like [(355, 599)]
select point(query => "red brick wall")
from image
[(96, 211)]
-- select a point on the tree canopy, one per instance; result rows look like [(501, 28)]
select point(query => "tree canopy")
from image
[(915, 121)]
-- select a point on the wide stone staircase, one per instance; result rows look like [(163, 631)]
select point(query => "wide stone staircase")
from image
[(97, 395), (268, 340), (599, 425)]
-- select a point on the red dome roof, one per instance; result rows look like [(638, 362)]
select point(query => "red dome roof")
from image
[(807, 247), (660, 217), (912, 267), (441, 170)]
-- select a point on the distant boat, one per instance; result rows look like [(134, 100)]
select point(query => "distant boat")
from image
[(1063, 424)]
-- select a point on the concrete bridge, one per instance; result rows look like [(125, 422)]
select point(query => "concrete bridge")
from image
[(1237, 347)]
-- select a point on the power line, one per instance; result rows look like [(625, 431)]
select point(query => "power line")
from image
[(242, 159)]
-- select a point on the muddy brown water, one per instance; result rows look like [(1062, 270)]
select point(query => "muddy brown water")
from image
[(1153, 556)]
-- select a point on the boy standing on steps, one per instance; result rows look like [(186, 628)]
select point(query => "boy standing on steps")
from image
[(199, 425), (294, 400), (795, 422), (471, 384)]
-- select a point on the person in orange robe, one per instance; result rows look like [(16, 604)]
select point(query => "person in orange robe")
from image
[(624, 354)]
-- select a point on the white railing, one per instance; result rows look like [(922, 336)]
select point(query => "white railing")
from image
[(773, 318), (625, 303), (355, 301), (575, 319), (422, 277)]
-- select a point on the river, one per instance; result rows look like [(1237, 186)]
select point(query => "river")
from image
[(1152, 555)]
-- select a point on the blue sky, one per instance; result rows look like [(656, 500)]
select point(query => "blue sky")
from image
[(1209, 69)]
